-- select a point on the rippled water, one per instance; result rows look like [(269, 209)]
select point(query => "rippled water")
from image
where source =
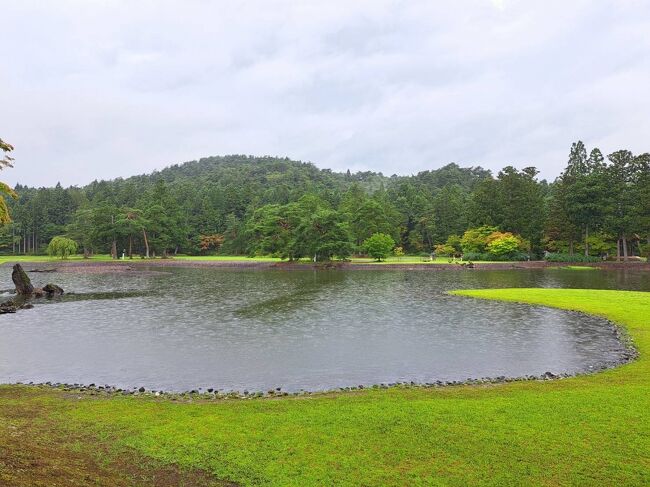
[(248, 329)]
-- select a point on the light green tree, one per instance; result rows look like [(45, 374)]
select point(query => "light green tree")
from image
[(61, 247), (379, 246)]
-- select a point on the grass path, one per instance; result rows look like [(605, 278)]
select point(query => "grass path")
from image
[(588, 430)]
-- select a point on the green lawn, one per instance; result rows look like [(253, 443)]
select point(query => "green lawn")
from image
[(407, 259), (107, 258), (588, 430), (410, 259), (47, 258)]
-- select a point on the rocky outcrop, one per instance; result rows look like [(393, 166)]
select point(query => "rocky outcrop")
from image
[(21, 281), (26, 291)]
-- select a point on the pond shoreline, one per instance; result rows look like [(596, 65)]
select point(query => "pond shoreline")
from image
[(212, 394), (137, 265)]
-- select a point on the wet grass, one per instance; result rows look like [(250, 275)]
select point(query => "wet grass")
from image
[(588, 430)]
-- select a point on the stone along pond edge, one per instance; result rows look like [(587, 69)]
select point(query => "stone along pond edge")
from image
[(212, 393)]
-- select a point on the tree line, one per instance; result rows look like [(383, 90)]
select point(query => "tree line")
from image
[(246, 205)]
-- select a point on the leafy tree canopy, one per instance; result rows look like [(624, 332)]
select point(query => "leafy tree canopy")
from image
[(379, 246)]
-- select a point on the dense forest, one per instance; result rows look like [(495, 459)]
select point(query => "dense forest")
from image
[(247, 205)]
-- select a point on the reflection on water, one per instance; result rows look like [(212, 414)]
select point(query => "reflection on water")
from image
[(246, 329)]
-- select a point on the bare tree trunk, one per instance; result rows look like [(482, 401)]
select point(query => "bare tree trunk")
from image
[(624, 239), (130, 246), (114, 244), (146, 242), (586, 240), (570, 246), (618, 249)]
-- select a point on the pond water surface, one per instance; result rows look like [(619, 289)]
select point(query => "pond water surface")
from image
[(313, 330)]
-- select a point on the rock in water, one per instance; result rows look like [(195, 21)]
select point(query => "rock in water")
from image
[(25, 290), (8, 307), (53, 290), (21, 280)]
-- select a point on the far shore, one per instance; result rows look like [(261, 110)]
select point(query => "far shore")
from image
[(107, 265)]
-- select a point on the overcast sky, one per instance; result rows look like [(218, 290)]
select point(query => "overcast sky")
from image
[(101, 89)]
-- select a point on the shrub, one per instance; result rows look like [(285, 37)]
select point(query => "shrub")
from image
[(502, 245), (379, 246), (476, 256), (476, 239), (444, 250), (485, 256), (455, 242)]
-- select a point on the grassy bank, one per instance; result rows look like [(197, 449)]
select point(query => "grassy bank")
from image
[(136, 259), (589, 430), (225, 258)]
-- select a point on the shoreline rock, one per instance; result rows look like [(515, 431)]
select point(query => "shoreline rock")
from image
[(213, 393), (25, 291)]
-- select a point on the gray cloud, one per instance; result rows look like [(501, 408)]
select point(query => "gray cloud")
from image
[(92, 90)]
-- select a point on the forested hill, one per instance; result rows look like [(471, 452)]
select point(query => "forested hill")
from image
[(281, 180), (212, 195), (245, 205)]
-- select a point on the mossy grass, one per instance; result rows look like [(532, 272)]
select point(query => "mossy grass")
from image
[(588, 430)]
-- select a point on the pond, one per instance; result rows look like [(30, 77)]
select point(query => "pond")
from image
[(185, 328)]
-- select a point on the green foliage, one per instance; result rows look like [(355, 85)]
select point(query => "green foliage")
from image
[(488, 257), (322, 236), (476, 239), (501, 245), (455, 242), (61, 247), (600, 244), (258, 204), (6, 161), (444, 250), (379, 246)]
